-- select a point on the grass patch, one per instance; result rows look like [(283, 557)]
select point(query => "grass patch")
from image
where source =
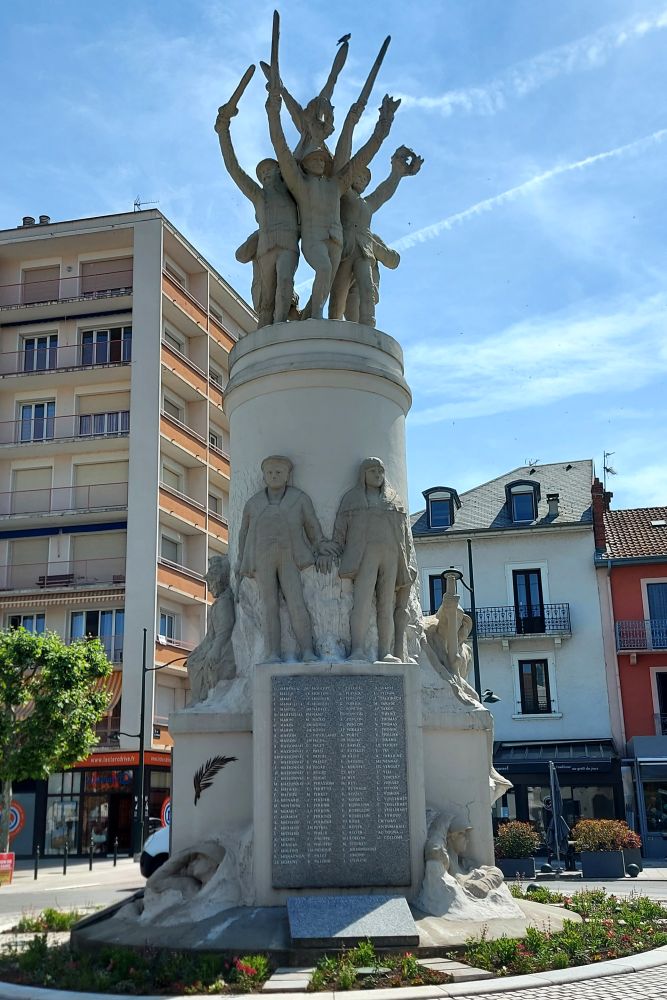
[(48, 920), (611, 928), (342, 972), (136, 973)]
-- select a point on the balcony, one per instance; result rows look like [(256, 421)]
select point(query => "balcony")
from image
[(34, 299), (180, 580), (113, 647), (74, 426), (184, 369), (182, 507), (523, 620), (641, 636), (220, 335), (66, 358), (219, 461), (63, 499), (190, 306), (182, 436), (64, 575)]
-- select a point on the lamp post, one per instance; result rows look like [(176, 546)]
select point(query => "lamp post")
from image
[(140, 804)]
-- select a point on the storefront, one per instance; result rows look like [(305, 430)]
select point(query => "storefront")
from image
[(589, 774), (649, 759), (94, 801)]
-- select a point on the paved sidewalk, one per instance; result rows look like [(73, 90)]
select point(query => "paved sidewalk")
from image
[(649, 985)]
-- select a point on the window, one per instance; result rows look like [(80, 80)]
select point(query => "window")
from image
[(216, 376), (528, 601), (215, 504), (656, 598), (176, 343), (441, 506), (175, 272), (534, 687), (436, 590), (170, 549), (31, 623), (37, 421), (40, 353), (172, 478), (522, 498), (216, 312), (103, 347), (110, 424), (102, 277), (170, 624), (173, 409), (41, 284), (214, 440), (107, 625)]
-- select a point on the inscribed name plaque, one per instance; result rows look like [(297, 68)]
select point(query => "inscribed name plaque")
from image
[(339, 782)]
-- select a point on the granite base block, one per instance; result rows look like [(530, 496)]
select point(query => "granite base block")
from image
[(343, 921)]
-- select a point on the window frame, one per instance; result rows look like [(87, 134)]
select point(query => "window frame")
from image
[(178, 542), (50, 351), (542, 656), (23, 615), (48, 420), (176, 621)]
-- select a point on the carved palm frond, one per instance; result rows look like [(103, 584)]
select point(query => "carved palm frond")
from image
[(204, 775)]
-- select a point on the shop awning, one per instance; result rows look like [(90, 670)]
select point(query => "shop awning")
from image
[(582, 757), (113, 684)]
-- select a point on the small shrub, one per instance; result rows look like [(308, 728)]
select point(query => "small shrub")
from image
[(603, 835), (516, 840)]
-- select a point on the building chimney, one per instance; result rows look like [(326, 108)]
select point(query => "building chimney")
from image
[(600, 499), (28, 220), (552, 500), (44, 220)]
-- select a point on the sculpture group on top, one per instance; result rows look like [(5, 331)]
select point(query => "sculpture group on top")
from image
[(312, 199)]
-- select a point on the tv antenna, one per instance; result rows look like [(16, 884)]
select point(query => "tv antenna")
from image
[(139, 204), (607, 469)]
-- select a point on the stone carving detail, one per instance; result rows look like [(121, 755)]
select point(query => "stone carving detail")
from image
[(452, 879), (188, 871), (316, 180), (213, 659), (280, 535), (372, 538)]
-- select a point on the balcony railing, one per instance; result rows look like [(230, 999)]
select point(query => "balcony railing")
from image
[(641, 635), (52, 358), (504, 622), (63, 575), (41, 429), (58, 499), (71, 288), (113, 647), (660, 725)]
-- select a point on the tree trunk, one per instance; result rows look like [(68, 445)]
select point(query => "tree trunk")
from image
[(5, 806)]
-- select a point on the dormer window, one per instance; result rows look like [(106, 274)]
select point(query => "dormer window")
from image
[(522, 499), (441, 506)]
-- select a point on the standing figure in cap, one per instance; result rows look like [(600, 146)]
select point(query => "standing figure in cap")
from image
[(277, 253)]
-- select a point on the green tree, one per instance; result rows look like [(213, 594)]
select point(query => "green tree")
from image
[(50, 702)]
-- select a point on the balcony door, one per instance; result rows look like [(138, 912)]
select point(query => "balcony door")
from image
[(661, 685), (528, 601), (656, 594)]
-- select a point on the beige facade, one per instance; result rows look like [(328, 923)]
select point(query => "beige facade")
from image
[(114, 467)]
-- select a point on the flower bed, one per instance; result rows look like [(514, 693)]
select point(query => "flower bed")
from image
[(361, 968)]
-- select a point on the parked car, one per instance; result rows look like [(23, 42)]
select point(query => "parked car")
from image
[(155, 852)]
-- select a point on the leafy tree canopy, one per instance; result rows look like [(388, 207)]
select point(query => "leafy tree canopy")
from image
[(50, 702)]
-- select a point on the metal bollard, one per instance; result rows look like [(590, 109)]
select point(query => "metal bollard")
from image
[(115, 851), (36, 862), (91, 848), (65, 853)]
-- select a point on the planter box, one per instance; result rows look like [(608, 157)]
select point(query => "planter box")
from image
[(633, 856), (602, 864), (517, 867)]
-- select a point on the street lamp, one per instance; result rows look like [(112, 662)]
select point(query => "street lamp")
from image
[(140, 805)]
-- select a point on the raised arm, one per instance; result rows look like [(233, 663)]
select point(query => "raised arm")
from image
[(404, 163), (250, 188), (343, 151), (361, 159), (288, 165)]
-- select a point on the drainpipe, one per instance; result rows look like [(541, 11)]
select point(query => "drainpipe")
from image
[(617, 674)]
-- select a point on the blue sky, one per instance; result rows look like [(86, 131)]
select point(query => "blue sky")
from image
[(531, 296)]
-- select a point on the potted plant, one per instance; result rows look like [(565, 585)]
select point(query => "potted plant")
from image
[(514, 846), (631, 845), (599, 843)]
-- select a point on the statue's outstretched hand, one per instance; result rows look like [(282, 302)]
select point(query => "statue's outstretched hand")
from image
[(388, 109), (405, 162), (225, 113)]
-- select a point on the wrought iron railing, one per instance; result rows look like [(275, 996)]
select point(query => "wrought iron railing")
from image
[(542, 619), (645, 634)]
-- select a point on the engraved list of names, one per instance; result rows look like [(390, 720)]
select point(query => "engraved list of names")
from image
[(339, 774)]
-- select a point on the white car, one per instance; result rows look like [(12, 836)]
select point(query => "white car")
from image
[(155, 852)]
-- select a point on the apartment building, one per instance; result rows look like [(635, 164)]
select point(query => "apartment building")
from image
[(524, 542), (114, 477)]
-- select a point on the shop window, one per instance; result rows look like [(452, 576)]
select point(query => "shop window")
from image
[(655, 798)]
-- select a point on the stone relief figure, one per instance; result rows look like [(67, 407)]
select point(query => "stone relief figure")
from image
[(277, 251), (317, 185), (372, 537), (279, 536), (450, 875), (213, 659), (187, 871), (382, 254), (358, 258)]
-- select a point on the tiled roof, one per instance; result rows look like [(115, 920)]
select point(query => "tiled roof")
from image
[(484, 508), (635, 533)]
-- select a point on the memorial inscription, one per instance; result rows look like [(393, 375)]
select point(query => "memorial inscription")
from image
[(339, 782)]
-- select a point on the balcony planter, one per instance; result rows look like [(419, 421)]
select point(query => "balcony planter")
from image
[(517, 867), (602, 864), (633, 856)]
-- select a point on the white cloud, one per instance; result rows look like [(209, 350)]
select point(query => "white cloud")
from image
[(488, 204), (542, 360), (523, 78)]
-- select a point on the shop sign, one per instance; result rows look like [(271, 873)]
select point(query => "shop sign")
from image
[(16, 819), (165, 815), (125, 758), (108, 781), (6, 868)]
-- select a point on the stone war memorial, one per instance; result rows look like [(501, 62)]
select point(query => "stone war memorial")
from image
[(332, 776)]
